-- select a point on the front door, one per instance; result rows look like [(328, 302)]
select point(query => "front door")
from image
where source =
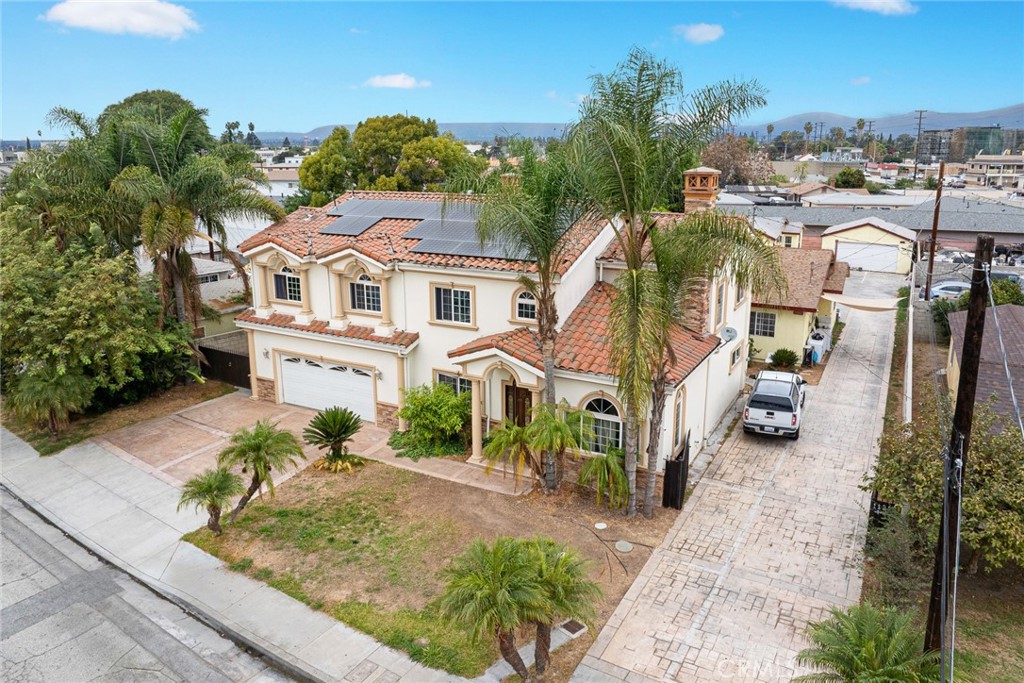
[(518, 402)]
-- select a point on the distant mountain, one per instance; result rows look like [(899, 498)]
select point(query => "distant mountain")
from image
[(468, 132)]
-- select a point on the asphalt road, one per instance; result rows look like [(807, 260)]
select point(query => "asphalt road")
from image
[(67, 617)]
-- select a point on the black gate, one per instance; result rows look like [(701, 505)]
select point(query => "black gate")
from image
[(227, 358), (677, 474)]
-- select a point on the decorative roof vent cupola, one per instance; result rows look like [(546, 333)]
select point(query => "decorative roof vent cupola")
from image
[(700, 189)]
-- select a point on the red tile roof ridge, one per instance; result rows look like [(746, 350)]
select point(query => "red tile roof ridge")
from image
[(400, 338)]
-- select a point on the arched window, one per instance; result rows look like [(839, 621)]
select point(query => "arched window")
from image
[(607, 425), (364, 294), (526, 306), (287, 286)]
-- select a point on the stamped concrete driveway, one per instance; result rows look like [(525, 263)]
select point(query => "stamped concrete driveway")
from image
[(770, 538)]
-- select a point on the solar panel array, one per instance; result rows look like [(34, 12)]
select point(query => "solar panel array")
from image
[(442, 229)]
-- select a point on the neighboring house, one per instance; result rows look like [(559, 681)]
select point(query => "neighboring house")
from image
[(787, 319), (804, 191), (871, 244), (859, 198), (781, 231), (376, 292), (223, 296), (284, 181), (992, 381)]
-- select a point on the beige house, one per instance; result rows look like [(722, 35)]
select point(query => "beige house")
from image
[(872, 244), (781, 231)]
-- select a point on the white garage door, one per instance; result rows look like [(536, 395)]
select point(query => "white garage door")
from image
[(319, 384), (877, 257)]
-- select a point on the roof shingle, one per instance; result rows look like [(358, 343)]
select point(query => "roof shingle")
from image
[(991, 373), (809, 273)]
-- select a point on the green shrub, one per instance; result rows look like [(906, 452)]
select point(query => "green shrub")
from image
[(874, 188), (903, 183), (897, 549), (607, 474), (435, 414), (784, 359), (941, 308), (409, 445)]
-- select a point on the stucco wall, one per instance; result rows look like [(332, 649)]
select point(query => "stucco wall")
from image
[(791, 331), (868, 234)]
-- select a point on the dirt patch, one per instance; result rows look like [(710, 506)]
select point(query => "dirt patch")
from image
[(381, 536)]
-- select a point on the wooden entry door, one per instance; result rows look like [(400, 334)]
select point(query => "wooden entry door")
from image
[(518, 402)]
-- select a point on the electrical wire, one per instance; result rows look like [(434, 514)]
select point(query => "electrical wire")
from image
[(958, 480), (1002, 351)]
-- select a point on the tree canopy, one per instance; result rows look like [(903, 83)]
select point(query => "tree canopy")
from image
[(850, 177), (329, 169), (739, 165), (378, 141)]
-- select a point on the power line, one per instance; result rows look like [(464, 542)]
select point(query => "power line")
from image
[(1002, 350)]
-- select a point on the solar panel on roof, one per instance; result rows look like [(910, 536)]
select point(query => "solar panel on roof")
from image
[(467, 248), (349, 225), (436, 228), (452, 222)]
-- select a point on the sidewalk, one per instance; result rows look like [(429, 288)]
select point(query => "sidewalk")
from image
[(128, 517)]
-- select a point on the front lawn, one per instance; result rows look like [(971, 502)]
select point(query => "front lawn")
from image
[(368, 549)]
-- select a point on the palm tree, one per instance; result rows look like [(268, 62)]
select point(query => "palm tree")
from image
[(568, 593), (212, 490), (700, 248), (637, 133), (510, 445), (494, 590), (47, 393), (860, 129), (329, 430), (770, 129), (808, 127), (607, 474), (865, 645), (262, 448), (551, 433)]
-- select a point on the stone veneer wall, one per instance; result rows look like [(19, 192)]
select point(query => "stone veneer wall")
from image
[(387, 416), (266, 390)]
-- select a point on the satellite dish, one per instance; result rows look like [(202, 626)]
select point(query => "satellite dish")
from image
[(728, 334)]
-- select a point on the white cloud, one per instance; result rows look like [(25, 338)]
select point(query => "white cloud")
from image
[(140, 17), (860, 80), (698, 34), (358, 31), (402, 80), (887, 7)]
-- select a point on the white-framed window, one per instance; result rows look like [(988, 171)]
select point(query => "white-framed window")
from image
[(735, 358), (287, 285), (203, 279), (458, 384), (453, 305), (364, 294), (787, 240), (607, 425), (762, 324), (526, 306), (720, 304), (678, 420)]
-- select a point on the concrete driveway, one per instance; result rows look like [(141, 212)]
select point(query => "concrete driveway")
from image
[(770, 539)]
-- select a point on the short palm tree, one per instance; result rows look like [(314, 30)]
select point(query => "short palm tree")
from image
[(510, 446), (45, 393), (494, 590), (261, 448), (607, 474), (329, 430), (551, 434), (866, 645), (212, 490), (568, 592)]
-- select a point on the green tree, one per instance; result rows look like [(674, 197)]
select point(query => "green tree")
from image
[(550, 433), (329, 169), (428, 162), (251, 139), (331, 429), (493, 591), (286, 143), (863, 644), (232, 133), (568, 593), (850, 177), (838, 135), (808, 127), (931, 183), (634, 145), (158, 106), (45, 393), (378, 142), (435, 414), (211, 489), (860, 129), (261, 448)]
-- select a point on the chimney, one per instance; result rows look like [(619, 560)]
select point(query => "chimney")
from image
[(700, 189)]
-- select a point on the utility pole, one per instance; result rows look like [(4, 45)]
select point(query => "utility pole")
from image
[(959, 445), (917, 142), (874, 148), (935, 233)]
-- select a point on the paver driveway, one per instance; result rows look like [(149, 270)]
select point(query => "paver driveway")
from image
[(770, 538)]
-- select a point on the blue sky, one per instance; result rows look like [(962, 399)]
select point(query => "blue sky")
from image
[(295, 66)]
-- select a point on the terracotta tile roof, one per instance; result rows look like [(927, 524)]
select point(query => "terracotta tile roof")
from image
[(584, 344), (360, 332), (991, 373), (807, 271), (299, 234)]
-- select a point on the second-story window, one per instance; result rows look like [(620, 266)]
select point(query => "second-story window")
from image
[(526, 306), (453, 305), (287, 286), (720, 304), (364, 294)]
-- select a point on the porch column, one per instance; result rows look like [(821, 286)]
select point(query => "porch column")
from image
[(305, 315), (478, 437), (251, 341), (339, 321), (385, 327)]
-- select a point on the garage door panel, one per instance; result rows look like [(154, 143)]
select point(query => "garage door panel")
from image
[(319, 384), (874, 257)]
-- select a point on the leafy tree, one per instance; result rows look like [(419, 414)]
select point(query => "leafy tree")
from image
[(286, 143), (849, 177), (634, 143), (435, 414), (493, 591), (873, 188), (330, 430), (261, 448), (838, 135), (607, 474), (45, 393), (904, 183), (251, 139), (428, 162), (865, 644), (211, 489), (568, 593), (232, 133), (329, 169), (378, 142), (158, 106), (739, 166)]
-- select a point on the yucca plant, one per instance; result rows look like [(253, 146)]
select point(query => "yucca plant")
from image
[(212, 490), (330, 430), (607, 474), (863, 644), (262, 448)]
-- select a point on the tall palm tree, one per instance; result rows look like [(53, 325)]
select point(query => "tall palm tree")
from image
[(808, 127), (330, 430), (638, 132), (261, 448), (699, 248), (211, 489), (568, 593), (866, 645), (770, 129), (860, 129), (48, 393), (494, 590)]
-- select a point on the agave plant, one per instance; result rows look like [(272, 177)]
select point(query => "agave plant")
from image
[(330, 430), (607, 474)]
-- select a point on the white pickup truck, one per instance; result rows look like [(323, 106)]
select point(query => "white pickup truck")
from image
[(775, 405)]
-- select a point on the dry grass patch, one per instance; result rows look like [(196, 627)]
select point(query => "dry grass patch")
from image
[(369, 547)]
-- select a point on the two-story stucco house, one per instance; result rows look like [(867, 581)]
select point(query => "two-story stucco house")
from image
[(378, 292)]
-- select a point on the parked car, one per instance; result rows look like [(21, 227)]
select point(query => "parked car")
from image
[(948, 289), (775, 405)]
